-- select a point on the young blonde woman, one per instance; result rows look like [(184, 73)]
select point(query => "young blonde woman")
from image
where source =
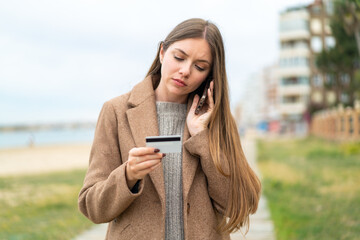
[(206, 191)]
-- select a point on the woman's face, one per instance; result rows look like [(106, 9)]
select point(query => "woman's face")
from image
[(185, 65)]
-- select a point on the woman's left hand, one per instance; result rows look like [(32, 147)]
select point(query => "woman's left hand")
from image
[(197, 123)]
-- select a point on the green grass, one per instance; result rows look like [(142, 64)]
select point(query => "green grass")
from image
[(41, 206), (312, 187)]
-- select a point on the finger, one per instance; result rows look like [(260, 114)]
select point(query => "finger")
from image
[(212, 86), (156, 166), (133, 160), (144, 165), (144, 158), (141, 151), (141, 174), (194, 103), (211, 95)]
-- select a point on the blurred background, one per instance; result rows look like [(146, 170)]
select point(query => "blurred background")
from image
[(293, 70)]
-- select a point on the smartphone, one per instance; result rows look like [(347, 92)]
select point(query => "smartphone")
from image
[(203, 96)]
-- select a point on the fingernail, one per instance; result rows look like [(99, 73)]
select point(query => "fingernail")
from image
[(164, 154), (156, 150)]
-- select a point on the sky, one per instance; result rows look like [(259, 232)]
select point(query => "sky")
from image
[(61, 60)]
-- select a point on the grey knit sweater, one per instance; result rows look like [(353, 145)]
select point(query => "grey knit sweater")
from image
[(171, 121)]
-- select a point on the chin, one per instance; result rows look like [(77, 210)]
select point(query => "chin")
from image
[(178, 93)]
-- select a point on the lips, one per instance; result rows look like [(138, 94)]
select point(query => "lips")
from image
[(179, 82)]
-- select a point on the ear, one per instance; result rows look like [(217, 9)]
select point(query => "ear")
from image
[(161, 54)]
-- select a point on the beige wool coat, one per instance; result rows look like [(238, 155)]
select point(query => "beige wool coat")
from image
[(123, 124)]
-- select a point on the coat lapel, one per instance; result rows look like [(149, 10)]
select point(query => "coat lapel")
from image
[(190, 162), (142, 119)]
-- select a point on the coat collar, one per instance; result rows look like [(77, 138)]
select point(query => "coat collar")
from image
[(141, 92), (142, 117)]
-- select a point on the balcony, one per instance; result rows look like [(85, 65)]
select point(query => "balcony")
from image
[(295, 52), (294, 35), (294, 71), (294, 89), (294, 25), (292, 108)]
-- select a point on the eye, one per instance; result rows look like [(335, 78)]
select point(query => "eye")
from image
[(178, 58), (199, 68)]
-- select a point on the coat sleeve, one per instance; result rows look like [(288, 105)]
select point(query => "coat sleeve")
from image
[(105, 193), (218, 184)]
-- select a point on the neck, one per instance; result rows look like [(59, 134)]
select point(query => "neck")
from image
[(161, 95)]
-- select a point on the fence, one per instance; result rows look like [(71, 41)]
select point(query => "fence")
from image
[(337, 124)]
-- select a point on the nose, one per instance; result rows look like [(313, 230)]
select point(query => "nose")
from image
[(185, 70)]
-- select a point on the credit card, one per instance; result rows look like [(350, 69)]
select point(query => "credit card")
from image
[(166, 144)]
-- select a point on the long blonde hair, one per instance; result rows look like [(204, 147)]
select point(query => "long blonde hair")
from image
[(223, 134)]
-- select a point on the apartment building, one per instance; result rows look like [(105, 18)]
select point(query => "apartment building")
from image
[(304, 32), (292, 87), (294, 70)]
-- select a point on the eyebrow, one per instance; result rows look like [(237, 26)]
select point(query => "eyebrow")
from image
[(200, 60)]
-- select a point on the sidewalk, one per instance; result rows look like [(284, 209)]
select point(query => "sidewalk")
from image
[(98, 232), (261, 226)]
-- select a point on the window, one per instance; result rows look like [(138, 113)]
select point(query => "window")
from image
[(284, 45), (316, 10), (290, 62), (330, 42), (294, 80), (294, 62), (304, 61), (290, 99), (293, 25), (345, 78), (316, 26), (300, 44), (329, 79), (303, 80), (317, 80), (316, 44), (282, 62), (289, 81), (317, 97), (344, 98), (329, 5), (330, 97)]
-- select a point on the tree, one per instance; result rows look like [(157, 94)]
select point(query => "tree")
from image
[(340, 63), (350, 12)]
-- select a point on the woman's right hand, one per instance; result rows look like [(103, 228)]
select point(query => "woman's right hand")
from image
[(141, 161)]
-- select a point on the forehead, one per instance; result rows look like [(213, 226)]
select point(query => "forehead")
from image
[(197, 48)]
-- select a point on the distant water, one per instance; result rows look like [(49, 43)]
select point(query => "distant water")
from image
[(45, 137)]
